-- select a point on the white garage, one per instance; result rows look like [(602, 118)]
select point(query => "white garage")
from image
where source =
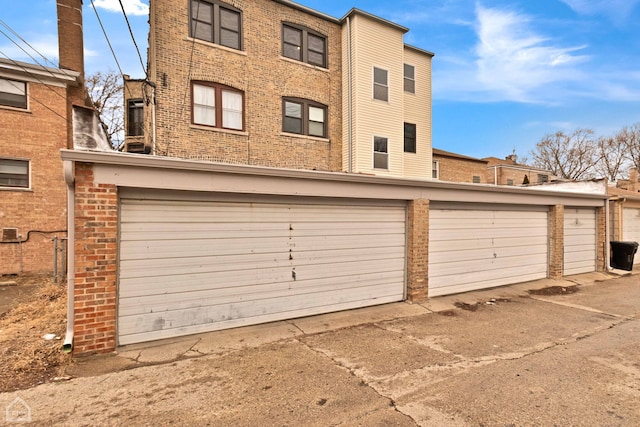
[(191, 266), (579, 240), (631, 227), (473, 248)]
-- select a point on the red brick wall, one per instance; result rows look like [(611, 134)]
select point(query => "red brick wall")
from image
[(556, 242), (601, 239), (417, 250), (95, 298), (460, 170), (36, 134)]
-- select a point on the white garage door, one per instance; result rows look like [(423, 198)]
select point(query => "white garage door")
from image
[(631, 227), (473, 249), (579, 241), (195, 266)]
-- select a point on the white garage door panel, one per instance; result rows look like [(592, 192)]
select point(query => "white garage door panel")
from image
[(476, 249), (189, 267), (631, 228), (579, 241)]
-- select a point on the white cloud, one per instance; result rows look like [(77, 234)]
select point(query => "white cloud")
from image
[(618, 10), (518, 64), (131, 7), (46, 45)]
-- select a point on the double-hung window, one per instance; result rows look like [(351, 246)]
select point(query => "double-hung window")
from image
[(13, 93), (303, 44), (435, 169), (409, 138), (409, 78), (304, 117), (135, 121), (217, 105), (380, 152), (14, 173), (216, 22), (380, 84)]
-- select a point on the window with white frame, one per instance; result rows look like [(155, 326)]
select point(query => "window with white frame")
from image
[(217, 105), (216, 22), (380, 84), (304, 117), (409, 78), (13, 93), (435, 169), (380, 152), (14, 173)]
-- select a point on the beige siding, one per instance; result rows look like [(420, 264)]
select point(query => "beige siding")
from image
[(379, 45), (417, 109)]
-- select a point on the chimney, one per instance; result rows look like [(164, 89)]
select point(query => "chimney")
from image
[(633, 179), (71, 55)]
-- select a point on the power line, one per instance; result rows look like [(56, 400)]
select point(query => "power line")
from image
[(134, 39), (4, 24)]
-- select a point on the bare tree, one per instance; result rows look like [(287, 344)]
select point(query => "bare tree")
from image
[(629, 137), (611, 156), (105, 89), (567, 156)]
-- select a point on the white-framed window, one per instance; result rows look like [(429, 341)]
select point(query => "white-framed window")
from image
[(435, 169), (13, 93), (380, 84), (380, 152), (217, 105), (216, 22), (409, 78), (14, 173)]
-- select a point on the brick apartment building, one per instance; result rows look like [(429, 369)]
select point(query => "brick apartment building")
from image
[(35, 124), (448, 166), (273, 83)]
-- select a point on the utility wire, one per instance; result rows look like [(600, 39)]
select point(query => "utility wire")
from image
[(144, 70), (4, 24)]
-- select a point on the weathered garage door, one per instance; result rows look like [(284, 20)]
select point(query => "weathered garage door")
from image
[(195, 266), (481, 248), (579, 240), (631, 227)]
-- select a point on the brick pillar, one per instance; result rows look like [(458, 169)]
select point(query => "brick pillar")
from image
[(417, 250), (601, 239), (96, 219), (556, 242)]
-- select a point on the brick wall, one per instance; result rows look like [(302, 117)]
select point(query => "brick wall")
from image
[(601, 239), (417, 250), (95, 298), (37, 135), (260, 72), (460, 170), (556, 242)]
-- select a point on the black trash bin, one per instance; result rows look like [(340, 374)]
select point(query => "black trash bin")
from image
[(622, 254)]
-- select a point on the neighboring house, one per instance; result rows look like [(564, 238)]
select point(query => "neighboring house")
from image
[(35, 124), (624, 210), (455, 167), (631, 184), (274, 83), (508, 172)]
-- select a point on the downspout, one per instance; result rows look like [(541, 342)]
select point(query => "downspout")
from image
[(349, 95), (69, 169), (495, 175)]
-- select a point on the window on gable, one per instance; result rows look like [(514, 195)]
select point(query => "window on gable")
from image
[(304, 117), (13, 93), (304, 45), (380, 84), (435, 169), (216, 22), (217, 105), (135, 120), (409, 78), (409, 138), (380, 152), (14, 173)]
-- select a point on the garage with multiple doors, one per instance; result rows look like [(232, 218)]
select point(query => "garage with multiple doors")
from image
[(475, 247), (190, 266)]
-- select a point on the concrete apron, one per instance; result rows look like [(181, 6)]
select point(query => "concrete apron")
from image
[(230, 340)]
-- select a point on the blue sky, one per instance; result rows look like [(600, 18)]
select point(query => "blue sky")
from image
[(506, 72)]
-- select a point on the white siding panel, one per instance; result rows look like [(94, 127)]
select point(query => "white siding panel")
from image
[(631, 228), (188, 267), (476, 249), (579, 241)]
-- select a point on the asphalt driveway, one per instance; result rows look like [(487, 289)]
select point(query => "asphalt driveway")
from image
[(569, 355)]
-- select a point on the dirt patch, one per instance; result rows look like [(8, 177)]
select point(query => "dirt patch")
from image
[(448, 313), (467, 307), (26, 358), (474, 307), (555, 290)]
